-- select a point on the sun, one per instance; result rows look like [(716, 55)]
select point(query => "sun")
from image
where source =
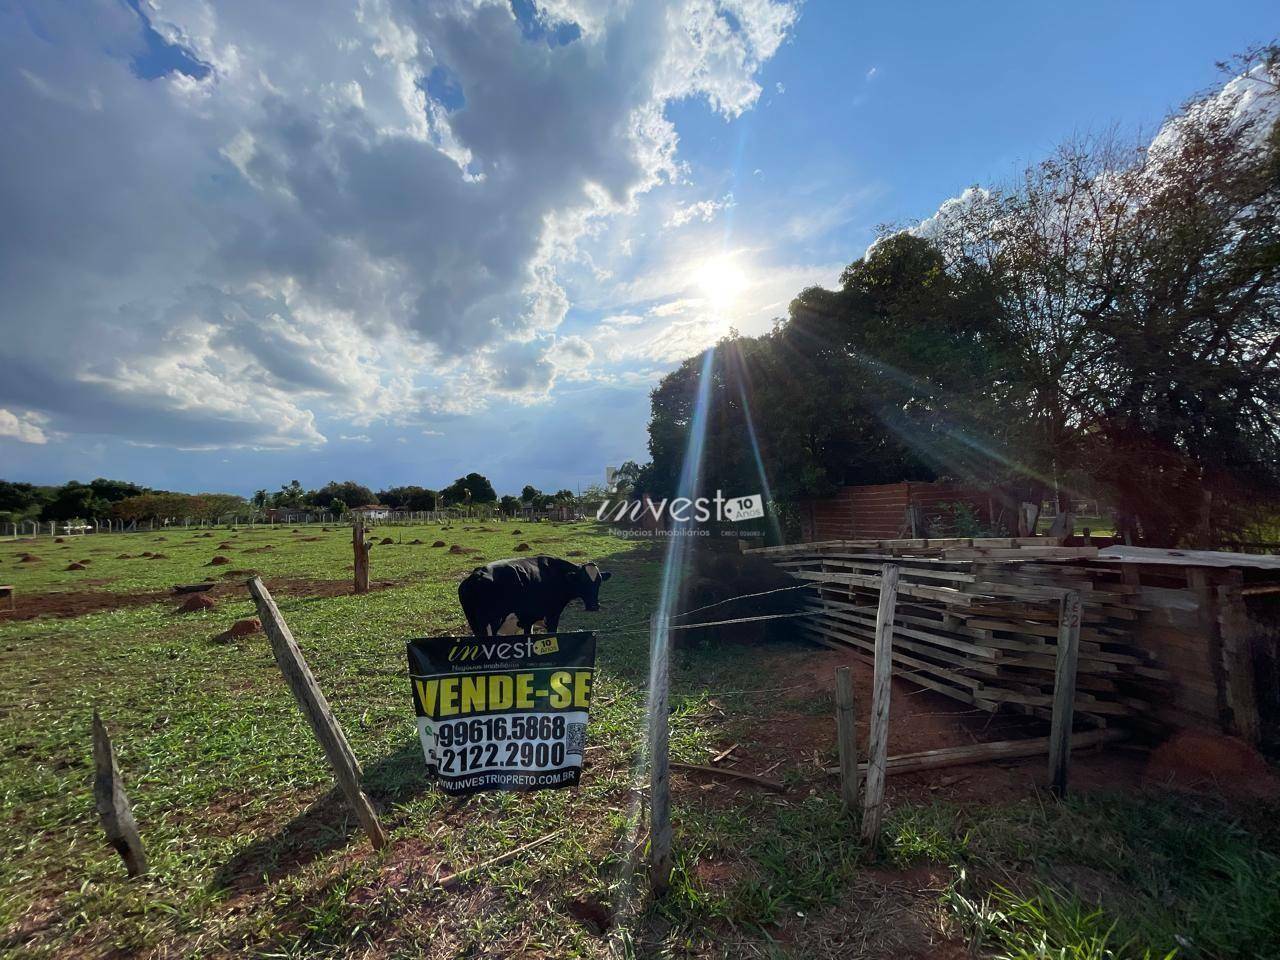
[(721, 280)]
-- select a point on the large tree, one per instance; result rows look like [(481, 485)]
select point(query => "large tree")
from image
[(472, 488)]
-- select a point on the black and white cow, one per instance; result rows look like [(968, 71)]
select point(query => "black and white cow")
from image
[(532, 588)]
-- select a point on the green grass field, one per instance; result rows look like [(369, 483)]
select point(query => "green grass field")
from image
[(252, 853)]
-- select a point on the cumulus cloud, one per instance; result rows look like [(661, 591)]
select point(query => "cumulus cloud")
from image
[(226, 223), (23, 427)]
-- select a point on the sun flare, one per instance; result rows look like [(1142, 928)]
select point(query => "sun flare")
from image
[(721, 280)]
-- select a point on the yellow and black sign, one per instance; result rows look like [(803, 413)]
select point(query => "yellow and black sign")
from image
[(503, 713)]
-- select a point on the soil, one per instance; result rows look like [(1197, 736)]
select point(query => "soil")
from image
[(197, 602), (521, 547), (1196, 760), (75, 566), (438, 543), (78, 603), (803, 738), (576, 553), (458, 548), (219, 561), (241, 628)]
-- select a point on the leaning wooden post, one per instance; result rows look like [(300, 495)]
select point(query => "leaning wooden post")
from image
[(1064, 691), (878, 748), (361, 550), (315, 708), (846, 739), (112, 803), (659, 760)]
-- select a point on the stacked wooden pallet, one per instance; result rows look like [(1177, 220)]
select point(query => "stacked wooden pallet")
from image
[(977, 620)]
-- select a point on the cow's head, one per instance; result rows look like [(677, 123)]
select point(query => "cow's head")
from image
[(588, 579)]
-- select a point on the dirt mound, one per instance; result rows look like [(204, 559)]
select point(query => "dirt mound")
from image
[(439, 543), (232, 574), (158, 556), (262, 549), (386, 540), (146, 553), (219, 561), (29, 558), (476, 556), (124, 556), (59, 540), (521, 547), (414, 542), (203, 535), (311, 539), (75, 566), (576, 553), (241, 628), (458, 548), (515, 533), (85, 562), (226, 546), (1199, 760), (196, 602)]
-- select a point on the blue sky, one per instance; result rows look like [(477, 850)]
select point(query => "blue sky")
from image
[(396, 242)]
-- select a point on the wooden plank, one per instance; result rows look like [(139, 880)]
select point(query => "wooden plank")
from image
[(1237, 664), (846, 739), (360, 550), (660, 861), (881, 685), (315, 708), (730, 774), (1064, 693), (112, 803)]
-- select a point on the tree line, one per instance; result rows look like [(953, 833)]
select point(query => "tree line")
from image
[(1106, 326), (121, 500)]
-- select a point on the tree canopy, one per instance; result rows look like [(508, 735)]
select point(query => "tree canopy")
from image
[(1109, 324)]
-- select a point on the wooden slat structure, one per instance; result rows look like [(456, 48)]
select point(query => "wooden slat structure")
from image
[(978, 620), (1168, 638)]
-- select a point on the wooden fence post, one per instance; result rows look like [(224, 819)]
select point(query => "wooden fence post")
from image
[(846, 739), (315, 708), (112, 803), (1064, 691), (878, 748), (361, 550), (659, 760)]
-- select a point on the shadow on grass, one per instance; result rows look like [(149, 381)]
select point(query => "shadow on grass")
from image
[(326, 825)]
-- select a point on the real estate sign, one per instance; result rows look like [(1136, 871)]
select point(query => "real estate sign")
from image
[(503, 713)]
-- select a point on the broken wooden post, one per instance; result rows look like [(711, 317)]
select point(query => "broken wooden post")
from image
[(361, 550), (315, 708), (113, 804), (846, 739), (1064, 691), (659, 760), (878, 748)]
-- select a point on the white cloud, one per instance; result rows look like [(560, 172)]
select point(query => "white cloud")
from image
[(307, 229), (23, 427), (703, 210), (357, 438)]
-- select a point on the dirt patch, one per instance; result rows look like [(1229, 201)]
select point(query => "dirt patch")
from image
[(226, 546), (241, 628), (458, 548), (576, 553), (75, 566), (1195, 760), (386, 541), (76, 603), (439, 543), (593, 915), (219, 561), (310, 539), (29, 558), (522, 547), (414, 542), (158, 556), (263, 549), (197, 602)]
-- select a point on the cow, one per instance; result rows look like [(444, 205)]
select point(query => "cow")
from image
[(533, 588)]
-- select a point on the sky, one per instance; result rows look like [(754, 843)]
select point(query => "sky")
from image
[(396, 242)]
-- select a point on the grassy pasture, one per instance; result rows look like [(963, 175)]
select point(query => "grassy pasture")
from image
[(252, 853)]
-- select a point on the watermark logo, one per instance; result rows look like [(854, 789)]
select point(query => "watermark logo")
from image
[(744, 508), (684, 510)]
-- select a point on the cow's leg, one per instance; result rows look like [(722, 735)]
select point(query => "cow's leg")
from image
[(552, 622)]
